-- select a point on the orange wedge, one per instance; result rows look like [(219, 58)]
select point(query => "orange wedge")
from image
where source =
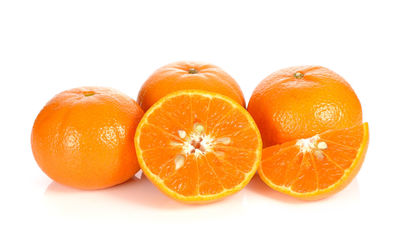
[(197, 146), (316, 167)]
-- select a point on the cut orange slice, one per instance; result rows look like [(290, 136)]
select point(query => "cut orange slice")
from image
[(198, 146), (316, 167)]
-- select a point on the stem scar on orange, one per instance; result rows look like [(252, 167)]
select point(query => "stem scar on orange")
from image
[(188, 75), (83, 137), (315, 167), (198, 146)]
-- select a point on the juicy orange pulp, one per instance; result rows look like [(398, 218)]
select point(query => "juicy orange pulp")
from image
[(315, 167), (198, 146)]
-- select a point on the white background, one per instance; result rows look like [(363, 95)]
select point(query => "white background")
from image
[(49, 46)]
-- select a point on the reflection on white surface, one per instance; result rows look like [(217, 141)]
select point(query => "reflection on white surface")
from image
[(133, 192), (140, 200)]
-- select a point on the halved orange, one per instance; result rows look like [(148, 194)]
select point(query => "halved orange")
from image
[(197, 146), (315, 167)]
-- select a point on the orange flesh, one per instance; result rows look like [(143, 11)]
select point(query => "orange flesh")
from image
[(315, 167), (218, 160)]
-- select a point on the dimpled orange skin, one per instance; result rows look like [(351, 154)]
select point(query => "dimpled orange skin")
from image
[(299, 102), (188, 75), (84, 138)]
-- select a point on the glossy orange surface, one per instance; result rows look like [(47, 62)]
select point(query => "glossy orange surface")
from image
[(83, 137), (299, 102), (188, 75)]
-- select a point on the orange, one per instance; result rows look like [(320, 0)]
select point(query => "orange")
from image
[(188, 75), (83, 137), (314, 168), (197, 146), (299, 102)]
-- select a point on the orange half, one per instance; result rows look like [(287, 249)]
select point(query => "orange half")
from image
[(316, 167), (197, 146)]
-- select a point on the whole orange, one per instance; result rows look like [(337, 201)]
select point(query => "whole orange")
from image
[(84, 137), (188, 75), (299, 102)]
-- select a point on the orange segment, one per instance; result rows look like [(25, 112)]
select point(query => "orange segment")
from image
[(228, 174), (183, 180), (315, 167), (209, 182), (198, 146)]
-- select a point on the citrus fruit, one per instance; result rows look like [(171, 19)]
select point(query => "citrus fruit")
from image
[(188, 75), (316, 167), (84, 137), (299, 102), (197, 146)]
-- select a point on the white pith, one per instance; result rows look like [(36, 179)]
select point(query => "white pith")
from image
[(197, 143), (206, 144), (313, 145)]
